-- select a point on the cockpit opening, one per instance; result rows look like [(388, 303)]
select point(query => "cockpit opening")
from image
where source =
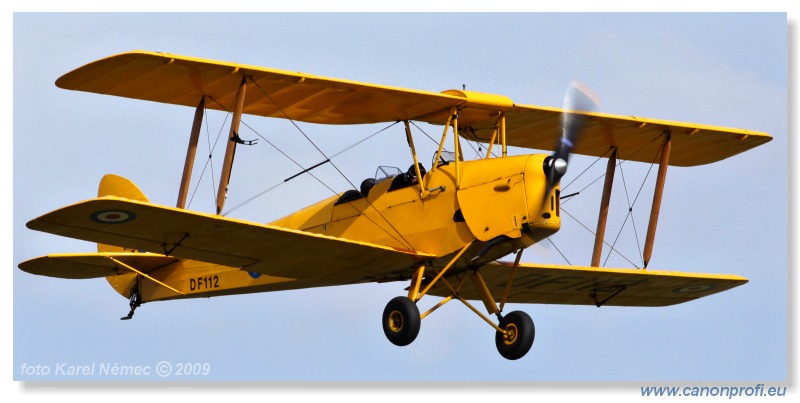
[(399, 179), (408, 178)]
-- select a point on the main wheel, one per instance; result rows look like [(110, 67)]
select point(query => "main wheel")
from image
[(519, 335), (401, 321)]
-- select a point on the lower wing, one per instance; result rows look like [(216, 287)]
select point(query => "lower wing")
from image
[(318, 260), (582, 285)]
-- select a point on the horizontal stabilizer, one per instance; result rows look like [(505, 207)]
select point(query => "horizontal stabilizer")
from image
[(582, 285), (93, 265)]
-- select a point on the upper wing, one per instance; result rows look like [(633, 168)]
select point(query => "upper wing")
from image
[(578, 285), (275, 251), (183, 80)]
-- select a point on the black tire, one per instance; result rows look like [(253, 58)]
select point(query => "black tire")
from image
[(520, 338), (401, 321)]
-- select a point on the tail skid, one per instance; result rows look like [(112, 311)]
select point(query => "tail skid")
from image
[(135, 302)]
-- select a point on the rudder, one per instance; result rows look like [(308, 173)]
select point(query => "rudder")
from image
[(115, 185)]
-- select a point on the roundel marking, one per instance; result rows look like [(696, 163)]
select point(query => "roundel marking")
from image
[(695, 288), (113, 216), (254, 274)]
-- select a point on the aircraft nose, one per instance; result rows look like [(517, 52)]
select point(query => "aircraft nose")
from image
[(543, 209)]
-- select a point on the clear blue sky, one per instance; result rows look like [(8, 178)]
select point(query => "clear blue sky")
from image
[(729, 217)]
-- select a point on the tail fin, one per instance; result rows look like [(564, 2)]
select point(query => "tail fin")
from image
[(114, 185)]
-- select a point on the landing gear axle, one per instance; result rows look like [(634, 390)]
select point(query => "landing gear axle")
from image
[(518, 339)]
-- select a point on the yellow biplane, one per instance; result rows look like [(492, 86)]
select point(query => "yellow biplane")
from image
[(437, 231)]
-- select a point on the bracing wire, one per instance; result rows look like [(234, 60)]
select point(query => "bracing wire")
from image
[(304, 170), (209, 161), (292, 121), (619, 165), (604, 242), (627, 195), (630, 205), (584, 171), (559, 251)]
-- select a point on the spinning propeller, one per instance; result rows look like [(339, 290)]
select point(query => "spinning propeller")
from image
[(577, 99)]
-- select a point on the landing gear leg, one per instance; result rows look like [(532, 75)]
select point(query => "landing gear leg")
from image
[(136, 301), (519, 335)]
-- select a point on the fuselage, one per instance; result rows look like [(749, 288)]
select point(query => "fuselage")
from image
[(495, 205)]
